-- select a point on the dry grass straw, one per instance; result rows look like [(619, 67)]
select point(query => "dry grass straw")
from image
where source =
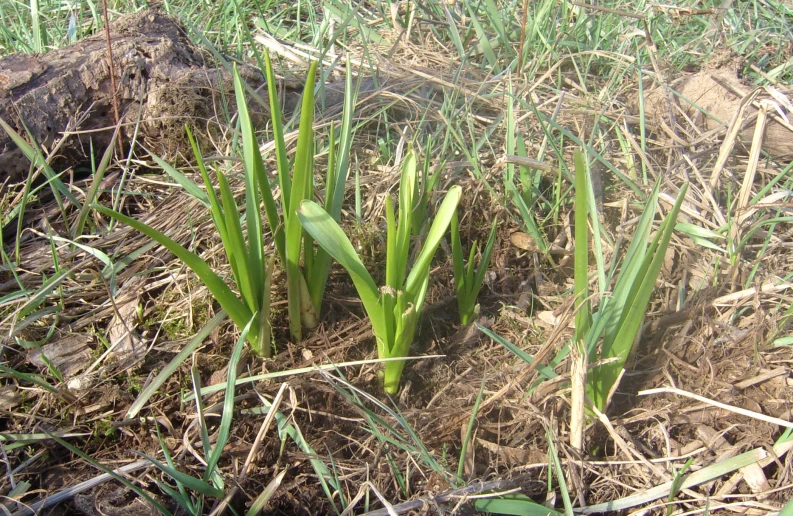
[(714, 342)]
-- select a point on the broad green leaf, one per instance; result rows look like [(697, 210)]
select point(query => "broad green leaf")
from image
[(403, 340), (180, 498), (419, 274), (215, 208), (515, 504), (238, 312), (407, 189), (329, 235), (484, 42), (698, 231), (392, 278), (337, 174), (582, 317), (342, 167)]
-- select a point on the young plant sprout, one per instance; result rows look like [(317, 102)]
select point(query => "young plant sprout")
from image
[(249, 264), (305, 288), (467, 282), (393, 309)]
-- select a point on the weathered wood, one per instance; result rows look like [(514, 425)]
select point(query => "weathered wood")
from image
[(162, 80)]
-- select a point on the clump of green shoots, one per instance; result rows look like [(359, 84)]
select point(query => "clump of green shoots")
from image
[(305, 288), (468, 281), (619, 317), (393, 309), (607, 335), (249, 264)]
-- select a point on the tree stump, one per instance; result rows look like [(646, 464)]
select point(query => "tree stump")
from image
[(162, 80)]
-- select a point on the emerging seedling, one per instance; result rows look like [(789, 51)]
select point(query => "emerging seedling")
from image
[(423, 190), (249, 264), (608, 333), (305, 288), (393, 309), (467, 281)]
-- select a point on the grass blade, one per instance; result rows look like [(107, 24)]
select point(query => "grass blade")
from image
[(35, 155), (545, 371), (196, 484), (140, 492), (261, 501), (238, 312), (96, 182), (485, 261), (188, 185), (228, 402), (469, 432)]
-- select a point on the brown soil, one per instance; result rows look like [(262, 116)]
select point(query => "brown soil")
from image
[(711, 98)]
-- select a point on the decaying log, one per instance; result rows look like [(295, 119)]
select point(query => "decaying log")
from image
[(163, 80)]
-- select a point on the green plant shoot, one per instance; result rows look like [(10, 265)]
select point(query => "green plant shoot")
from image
[(305, 288), (468, 281), (251, 272), (393, 309), (620, 317), (583, 314), (423, 190)]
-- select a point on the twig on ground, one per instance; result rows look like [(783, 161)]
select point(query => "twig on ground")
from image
[(737, 410)]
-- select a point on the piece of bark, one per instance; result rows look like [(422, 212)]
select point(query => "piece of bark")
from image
[(162, 78), (70, 354), (128, 348)]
